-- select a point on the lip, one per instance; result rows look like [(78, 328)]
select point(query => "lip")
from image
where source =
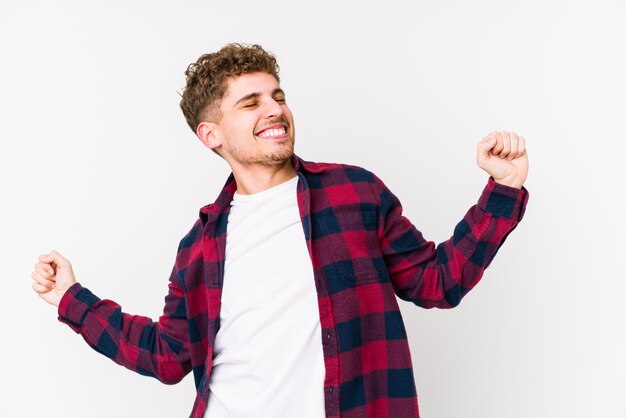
[(273, 126)]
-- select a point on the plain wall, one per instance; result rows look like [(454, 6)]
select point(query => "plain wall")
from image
[(96, 161)]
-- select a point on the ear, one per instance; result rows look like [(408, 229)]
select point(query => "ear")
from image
[(206, 133)]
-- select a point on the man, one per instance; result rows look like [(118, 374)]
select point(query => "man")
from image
[(282, 299)]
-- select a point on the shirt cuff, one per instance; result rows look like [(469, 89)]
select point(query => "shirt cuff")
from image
[(75, 305), (503, 201)]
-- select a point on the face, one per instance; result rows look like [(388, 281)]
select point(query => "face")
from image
[(256, 127)]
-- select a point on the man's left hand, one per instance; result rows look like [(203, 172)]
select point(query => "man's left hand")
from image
[(503, 156)]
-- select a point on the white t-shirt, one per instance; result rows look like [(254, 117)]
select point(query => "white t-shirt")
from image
[(268, 359)]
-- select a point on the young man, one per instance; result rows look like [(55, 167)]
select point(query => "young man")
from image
[(282, 298)]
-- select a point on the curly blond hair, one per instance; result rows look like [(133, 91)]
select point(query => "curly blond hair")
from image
[(207, 79)]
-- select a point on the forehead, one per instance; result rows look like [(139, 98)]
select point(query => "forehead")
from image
[(244, 84)]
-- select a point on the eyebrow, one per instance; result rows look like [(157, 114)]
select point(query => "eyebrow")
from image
[(255, 95)]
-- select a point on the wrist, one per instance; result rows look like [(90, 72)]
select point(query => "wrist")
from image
[(509, 182)]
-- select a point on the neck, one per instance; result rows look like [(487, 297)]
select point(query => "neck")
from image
[(256, 178)]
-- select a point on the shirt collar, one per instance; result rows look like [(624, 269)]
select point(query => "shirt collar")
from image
[(211, 212)]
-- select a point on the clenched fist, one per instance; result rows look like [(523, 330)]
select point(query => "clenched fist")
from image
[(53, 275), (503, 156)]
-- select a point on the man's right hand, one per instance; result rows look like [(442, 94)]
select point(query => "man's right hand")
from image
[(53, 275)]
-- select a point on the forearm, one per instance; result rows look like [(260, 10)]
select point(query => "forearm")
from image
[(135, 342), (439, 276)]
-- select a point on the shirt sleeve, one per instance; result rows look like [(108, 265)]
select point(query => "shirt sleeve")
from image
[(157, 349), (440, 275)]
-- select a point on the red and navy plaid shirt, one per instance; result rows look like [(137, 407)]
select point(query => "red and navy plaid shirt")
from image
[(364, 253)]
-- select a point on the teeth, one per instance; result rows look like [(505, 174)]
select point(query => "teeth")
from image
[(272, 132)]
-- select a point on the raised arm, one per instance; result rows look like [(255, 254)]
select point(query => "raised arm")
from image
[(432, 275), (157, 349)]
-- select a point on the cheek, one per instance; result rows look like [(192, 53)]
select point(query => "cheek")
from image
[(289, 116), (240, 130)]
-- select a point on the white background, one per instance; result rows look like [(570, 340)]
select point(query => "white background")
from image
[(96, 161)]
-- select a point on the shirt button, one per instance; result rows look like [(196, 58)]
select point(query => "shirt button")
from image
[(328, 335), (330, 389)]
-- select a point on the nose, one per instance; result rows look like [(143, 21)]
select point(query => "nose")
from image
[(273, 109)]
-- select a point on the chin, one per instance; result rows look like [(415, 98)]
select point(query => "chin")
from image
[(277, 157)]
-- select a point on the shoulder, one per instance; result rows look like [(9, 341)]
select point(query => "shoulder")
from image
[(338, 184), (338, 172)]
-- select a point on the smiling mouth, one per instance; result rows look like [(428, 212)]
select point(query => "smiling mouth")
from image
[(274, 132)]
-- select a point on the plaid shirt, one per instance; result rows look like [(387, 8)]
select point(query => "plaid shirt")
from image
[(364, 253)]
